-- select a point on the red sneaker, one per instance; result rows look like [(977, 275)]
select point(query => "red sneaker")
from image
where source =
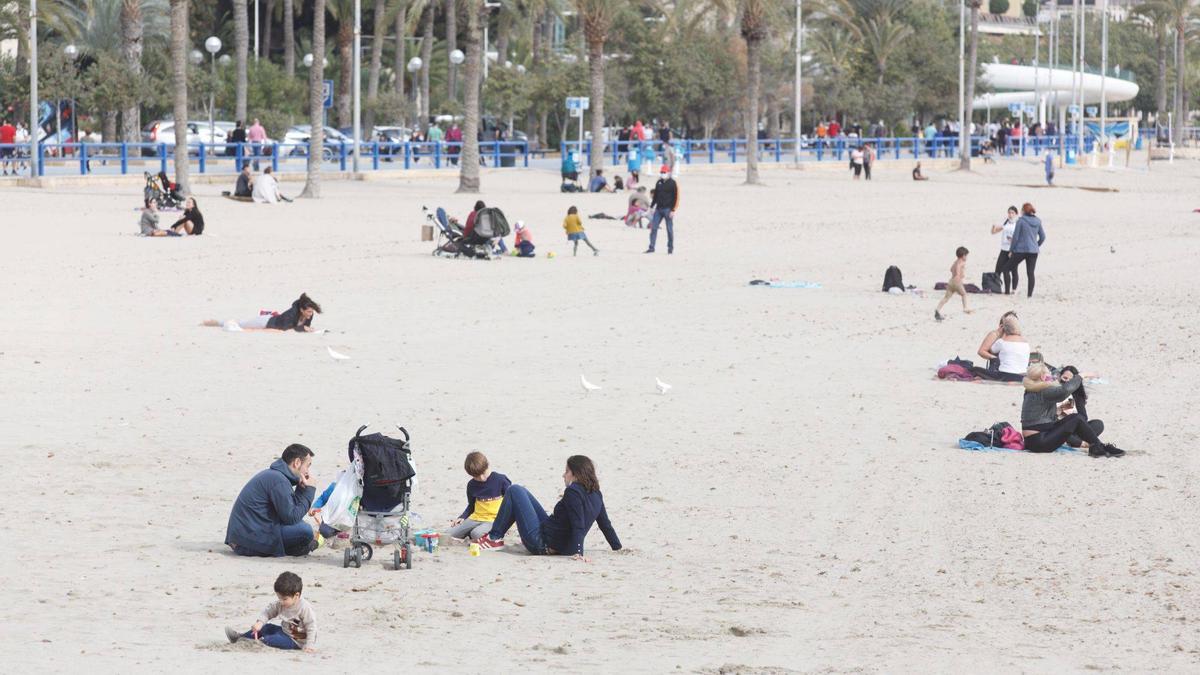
[(486, 542)]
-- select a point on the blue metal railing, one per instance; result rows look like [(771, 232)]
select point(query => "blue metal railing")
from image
[(124, 158)]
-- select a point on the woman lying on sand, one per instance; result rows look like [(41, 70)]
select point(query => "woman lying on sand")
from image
[(562, 532), (298, 318), (1006, 350), (1043, 431)]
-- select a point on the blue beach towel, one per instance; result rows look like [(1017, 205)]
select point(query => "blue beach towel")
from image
[(979, 447), (785, 284)]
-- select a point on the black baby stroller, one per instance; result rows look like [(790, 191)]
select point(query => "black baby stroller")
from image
[(162, 191), (449, 235), (383, 515)]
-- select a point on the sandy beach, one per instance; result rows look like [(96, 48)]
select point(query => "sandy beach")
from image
[(796, 503)]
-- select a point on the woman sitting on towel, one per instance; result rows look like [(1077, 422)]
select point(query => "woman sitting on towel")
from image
[(1044, 431), (561, 532), (192, 221), (1006, 350), (298, 318)]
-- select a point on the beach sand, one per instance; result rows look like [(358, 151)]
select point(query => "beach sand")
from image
[(796, 503)]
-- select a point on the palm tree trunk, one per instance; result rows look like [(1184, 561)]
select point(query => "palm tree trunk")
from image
[(316, 110), (426, 58), (753, 86), (1180, 81), (109, 127), (241, 43), (964, 161), (399, 64), (179, 68), (1160, 93), (289, 38), (451, 45), (131, 51), (378, 33), (502, 28), (596, 75), (267, 19), (345, 44), (468, 165)]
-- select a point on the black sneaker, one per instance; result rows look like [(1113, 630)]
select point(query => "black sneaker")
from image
[(1114, 451), (938, 315), (1098, 450), (232, 635), (649, 250)]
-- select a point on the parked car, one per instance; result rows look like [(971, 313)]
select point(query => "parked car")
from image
[(297, 137), (163, 131)]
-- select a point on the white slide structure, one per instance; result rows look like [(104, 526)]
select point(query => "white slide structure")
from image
[(1025, 84)]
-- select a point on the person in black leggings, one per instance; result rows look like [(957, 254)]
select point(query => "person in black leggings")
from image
[(1006, 230), (1027, 241), (1042, 429)]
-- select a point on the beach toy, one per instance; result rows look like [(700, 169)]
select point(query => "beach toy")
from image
[(428, 539), (550, 254), (473, 549)]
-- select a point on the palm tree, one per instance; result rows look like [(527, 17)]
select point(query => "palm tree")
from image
[(468, 166), (179, 63), (378, 33), (268, 19), (426, 59), (400, 29), (754, 29), (1157, 22), (597, 17), (451, 45), (131, 50), (289, 38), (1180, 14), (969, 96), (241, 49), (316, 111), (343, 12)]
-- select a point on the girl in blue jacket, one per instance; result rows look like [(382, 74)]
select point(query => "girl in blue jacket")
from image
[(561, 532)]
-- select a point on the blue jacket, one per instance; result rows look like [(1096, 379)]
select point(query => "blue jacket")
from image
[(573, 516), (1029, 235), (269, 501)]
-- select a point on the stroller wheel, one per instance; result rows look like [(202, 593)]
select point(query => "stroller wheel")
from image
[(365, 552), (408, 556), (346, 557), (396, 559)]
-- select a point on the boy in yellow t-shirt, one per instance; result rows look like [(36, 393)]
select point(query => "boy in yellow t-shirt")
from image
[(574, 227), (485, 492)]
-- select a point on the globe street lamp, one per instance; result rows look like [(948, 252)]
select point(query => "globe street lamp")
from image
[(70, 51), (212, 45), (414, 66), (308, 59)]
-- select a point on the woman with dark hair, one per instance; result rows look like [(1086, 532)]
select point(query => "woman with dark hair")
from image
[(1044, 431), (561, 532), (1028, 237), (192, 221), (298, 318), (1006, 230)]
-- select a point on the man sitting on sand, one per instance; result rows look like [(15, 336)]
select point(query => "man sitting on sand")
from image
[(245, 183), (266, 188), (268, 516), (916, 173)]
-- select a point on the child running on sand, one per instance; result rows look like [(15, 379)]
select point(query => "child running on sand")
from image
[(574, 227), (298, 624), (485, 493), (958, 272)]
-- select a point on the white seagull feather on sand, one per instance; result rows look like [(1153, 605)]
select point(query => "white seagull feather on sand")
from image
[(663, 387), (587, 386), (337, 356)]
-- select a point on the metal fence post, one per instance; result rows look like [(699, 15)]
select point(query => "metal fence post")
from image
[(341, 156), (407, 154), (525, 149), (375, 155), (162, 157), (275, 157), (203, 154), (495, 153), (83, 159), (124, 158)]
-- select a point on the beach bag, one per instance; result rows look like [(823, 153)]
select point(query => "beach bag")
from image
[(341, 508), (954, 372), (991, 283), (892, 279), (1012, 439), (491, 223)]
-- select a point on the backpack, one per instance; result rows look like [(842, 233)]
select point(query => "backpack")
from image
[(991, 283), (386, 469), (491, 223), (892, 278)]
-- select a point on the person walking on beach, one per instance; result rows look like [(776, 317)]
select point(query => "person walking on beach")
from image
[(868, 160), (856, 162), (1028, 237), (574, 228), (664, 201), (958, 272), (1049, 163), (8, 137)]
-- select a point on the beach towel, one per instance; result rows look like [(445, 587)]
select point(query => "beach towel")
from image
[(785, 284), (970, 288), (979, 447)]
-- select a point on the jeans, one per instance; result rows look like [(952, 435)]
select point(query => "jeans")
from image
[(256, 150), (1053, 435), (272, 635), (296, 538), (521, 508), (662, 213)]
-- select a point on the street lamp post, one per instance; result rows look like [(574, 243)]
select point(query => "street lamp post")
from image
[(799, 79), (964, 139), (212, 45), (34, 127), (1104, 76), (414, 66), (357, 91), (71, 51)]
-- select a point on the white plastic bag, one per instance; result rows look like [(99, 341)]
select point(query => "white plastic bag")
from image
[(341, 508)]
